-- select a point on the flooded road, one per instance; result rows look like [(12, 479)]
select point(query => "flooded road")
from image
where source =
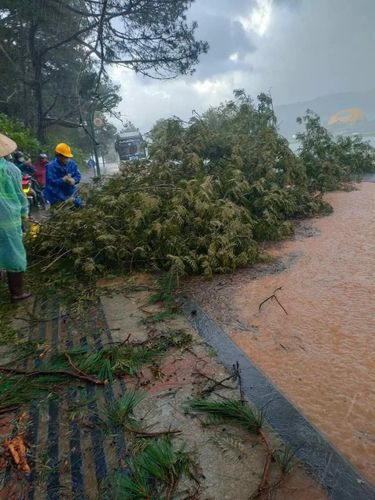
[(321, 353)]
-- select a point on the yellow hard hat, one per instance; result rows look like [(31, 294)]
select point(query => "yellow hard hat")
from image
[(64, 149)]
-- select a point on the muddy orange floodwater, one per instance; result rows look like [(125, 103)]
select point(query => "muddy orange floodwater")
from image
[(321, 355)]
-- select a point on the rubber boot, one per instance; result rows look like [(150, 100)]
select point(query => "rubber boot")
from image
[(15, 283)]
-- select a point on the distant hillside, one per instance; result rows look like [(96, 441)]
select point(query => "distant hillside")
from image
[(346, 113)]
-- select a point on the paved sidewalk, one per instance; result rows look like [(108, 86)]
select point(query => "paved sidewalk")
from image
[(71, 453)]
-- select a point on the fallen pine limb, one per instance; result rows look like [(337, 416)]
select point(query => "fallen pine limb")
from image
[(41, 373), (55, 260), (35, 319), (76, 369), (146, 434)]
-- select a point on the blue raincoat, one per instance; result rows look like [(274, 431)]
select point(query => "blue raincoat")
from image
[(13, 205), (57, 190)]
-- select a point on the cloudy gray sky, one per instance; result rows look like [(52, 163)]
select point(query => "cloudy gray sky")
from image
[(297, 49)]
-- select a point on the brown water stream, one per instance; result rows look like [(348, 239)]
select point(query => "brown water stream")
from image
[(320, 354)]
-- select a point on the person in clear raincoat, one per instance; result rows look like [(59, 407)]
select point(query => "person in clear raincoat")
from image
[(13, 207)]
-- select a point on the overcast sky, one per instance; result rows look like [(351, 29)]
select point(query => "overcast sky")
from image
[(297, 49)]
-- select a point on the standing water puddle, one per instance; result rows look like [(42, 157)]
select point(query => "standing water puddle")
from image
[(320, 354)]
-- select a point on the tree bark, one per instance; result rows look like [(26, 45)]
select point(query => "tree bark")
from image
[(40, 128), (37, 62)]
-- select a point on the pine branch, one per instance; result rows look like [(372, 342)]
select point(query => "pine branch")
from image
[(41, 373)]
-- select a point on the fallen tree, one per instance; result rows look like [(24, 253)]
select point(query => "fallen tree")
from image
[(211, 190)]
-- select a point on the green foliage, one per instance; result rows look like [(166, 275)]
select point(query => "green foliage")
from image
[(154, 473), (118, 360), (106, 363), (172, 339), (210, 192), (188, 229), (27, 143), (17, 390), (58, 76), (155, 466), (167, 284), (130, 359), (357, 154), (239, 413), (24, 138), (229, 410), (159, 317), (330, 161), (120, 412), (284, 458)]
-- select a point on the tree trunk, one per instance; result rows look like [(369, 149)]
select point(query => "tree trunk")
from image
[(40, 128), (36, 61)]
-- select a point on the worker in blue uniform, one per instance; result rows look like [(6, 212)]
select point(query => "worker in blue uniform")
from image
[(62, 177)]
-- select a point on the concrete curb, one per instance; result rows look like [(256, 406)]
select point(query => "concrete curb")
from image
[(337, 476)]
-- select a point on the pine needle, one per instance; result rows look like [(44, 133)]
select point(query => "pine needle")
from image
[(154, 473), (229, 411), (120, 412)]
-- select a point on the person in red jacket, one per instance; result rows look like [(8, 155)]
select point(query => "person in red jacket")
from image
[(40, 170)]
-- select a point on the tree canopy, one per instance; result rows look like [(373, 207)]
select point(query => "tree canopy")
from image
[(54, 54)]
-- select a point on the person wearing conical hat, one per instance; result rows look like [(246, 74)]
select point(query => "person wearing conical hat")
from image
[(62, 177), (13, 207)]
